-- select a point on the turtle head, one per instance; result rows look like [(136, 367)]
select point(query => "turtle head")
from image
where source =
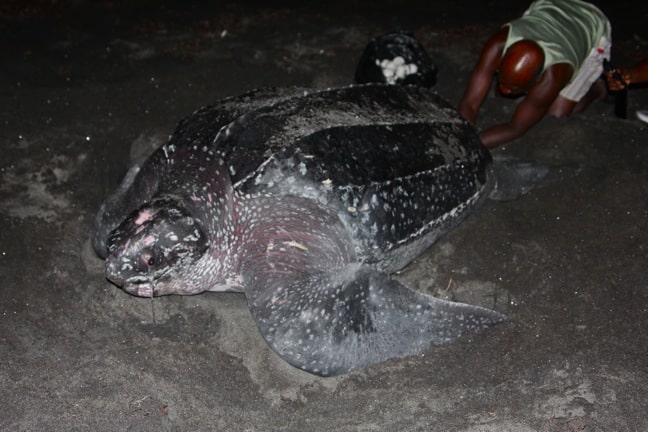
[(156, 251)]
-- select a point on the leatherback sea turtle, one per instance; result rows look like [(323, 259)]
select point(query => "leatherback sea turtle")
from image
[(306, 201)]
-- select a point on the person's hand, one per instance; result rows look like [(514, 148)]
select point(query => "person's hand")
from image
[(613, 81)]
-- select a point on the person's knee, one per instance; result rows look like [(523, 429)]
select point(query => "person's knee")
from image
[(560, 110), (561, 107)]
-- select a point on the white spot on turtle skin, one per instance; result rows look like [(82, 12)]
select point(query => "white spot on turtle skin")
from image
[(327, 182), (302, 168), (295, 244), (191, 238), (374, 200)]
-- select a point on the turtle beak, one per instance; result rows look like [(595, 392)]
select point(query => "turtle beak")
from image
[(139, 287)]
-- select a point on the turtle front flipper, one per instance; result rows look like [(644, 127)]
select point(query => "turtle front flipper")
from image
[(514, 177), (333, 323)]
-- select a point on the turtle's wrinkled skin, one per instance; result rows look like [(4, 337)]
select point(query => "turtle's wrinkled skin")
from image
[(306, 201)]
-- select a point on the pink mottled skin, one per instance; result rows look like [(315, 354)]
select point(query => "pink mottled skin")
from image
[(143, 216)]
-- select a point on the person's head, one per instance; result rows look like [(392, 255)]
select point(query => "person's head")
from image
[(520, 66)]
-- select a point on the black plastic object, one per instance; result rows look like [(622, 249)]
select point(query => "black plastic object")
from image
[(396, 58), (621, 96)]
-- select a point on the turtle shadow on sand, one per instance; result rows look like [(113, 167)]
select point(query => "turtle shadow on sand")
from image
[(306, 201)]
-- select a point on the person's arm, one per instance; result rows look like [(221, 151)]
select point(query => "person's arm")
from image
[(639, 72), (533, 107), (482, 75), (633, 75)]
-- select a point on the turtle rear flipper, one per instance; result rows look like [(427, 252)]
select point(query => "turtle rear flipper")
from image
[(334, 323)]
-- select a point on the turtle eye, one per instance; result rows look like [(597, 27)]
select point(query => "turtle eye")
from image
[(147, 259)]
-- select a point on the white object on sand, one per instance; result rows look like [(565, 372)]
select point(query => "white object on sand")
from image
[(396, 69), (642, 115)]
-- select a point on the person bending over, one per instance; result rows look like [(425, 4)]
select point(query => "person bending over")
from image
[(552, 56)]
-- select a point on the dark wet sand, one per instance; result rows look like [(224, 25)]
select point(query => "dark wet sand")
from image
[(84, 83)]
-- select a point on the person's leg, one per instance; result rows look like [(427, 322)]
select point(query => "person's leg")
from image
[(563, 107), (598, 91), (588, 84)]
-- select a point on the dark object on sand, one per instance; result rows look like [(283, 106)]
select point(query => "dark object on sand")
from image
[(306, 201), (396, 58), (621, 96)]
